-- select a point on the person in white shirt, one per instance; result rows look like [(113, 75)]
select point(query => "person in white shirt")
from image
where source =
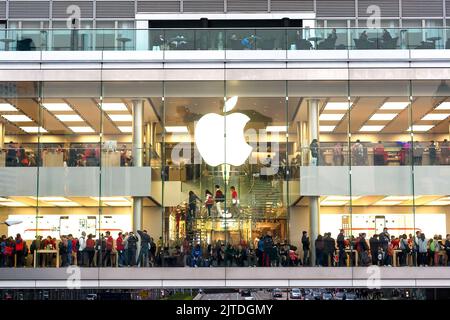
[(81, 249)]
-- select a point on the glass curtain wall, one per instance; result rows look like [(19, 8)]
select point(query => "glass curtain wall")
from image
[(287, 157)]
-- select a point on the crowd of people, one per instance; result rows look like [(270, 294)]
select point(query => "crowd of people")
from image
[(408, 154), (130, 249), (381, 249), (82, 155)]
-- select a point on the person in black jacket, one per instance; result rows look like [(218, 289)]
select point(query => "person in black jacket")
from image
[(306, 244), (374, 248), (329, 249), (131, 244), (319, 245), (268, 247), (341, 246), (145, 247)]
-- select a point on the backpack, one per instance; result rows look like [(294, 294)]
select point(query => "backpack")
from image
[(433, 246)]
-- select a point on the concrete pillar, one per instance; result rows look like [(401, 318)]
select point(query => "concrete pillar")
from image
[(2, 135), (2, 145), (148, 142), (304, 142), (137, 152), (314, 205)]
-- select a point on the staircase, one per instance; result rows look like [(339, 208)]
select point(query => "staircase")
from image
[(263, 197)]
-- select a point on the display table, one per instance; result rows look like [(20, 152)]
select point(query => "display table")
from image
[(349, 257), (45, 251), (53, 159), (2, 159)]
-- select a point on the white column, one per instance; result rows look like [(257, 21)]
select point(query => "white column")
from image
[(137, 152), (314, 205)]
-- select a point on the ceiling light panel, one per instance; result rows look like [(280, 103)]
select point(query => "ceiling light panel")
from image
[(421, 127), (276, 128), (6, 107), (57, 107), (331, 117), (82, 129), (114, 107), (176, 129), (338, 106), (383, 116), (436, 116), (121, 117), (443, 106), (69, 117), (394, 105), (34, 129), (16, 117), (371, 128), (326, 128), (125, 129)]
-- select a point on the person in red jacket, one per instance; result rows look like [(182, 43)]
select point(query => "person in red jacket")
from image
[(90, 249), (19, 250), (108, 250), (120, 249)]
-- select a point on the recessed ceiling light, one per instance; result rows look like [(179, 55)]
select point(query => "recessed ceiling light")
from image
[(114, 106), (122, 199), (333, 203), (436, 116), (13, 204), (16, 117), (326, 128), (34, 129), (176, 129), (65, 204), (438, 203), (69, 117), (383, 116), (421, 127), (276, 128), (82, 129), (331, 117), (400, 198), (121, 117), (57, 107), (125, 129), (371, 128), (387, 203), (7, 107), (338, 106), (50, 199), (443, 106), (117, 203), (394, 105), (341, 198)]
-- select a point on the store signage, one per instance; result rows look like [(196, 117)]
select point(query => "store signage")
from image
[(211, 143)]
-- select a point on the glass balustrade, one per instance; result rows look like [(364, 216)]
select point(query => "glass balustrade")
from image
[(291, 39)]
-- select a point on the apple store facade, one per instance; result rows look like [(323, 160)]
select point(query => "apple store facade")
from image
[(287, 157)]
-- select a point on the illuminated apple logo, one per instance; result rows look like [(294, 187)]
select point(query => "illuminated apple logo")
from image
[(211, 143)]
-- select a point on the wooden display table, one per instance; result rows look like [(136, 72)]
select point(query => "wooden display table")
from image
[(2, 158), (45, 251), (349, 256)]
